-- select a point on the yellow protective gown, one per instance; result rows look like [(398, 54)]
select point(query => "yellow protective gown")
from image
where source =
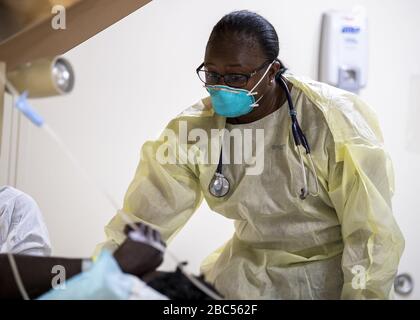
[(344, 243)]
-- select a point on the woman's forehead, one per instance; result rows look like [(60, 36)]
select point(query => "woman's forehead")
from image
[(234, 54)]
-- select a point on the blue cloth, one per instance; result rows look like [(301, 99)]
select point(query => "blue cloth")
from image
[(104, 281)]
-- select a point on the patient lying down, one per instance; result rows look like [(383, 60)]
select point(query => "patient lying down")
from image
[(128, 273)]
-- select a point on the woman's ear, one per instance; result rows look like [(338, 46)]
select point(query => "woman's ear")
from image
[(275, 68)]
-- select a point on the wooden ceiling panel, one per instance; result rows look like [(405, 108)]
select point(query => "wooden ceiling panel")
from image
[(26, 33)]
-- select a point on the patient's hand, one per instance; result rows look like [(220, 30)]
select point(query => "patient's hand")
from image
[(141, 252)]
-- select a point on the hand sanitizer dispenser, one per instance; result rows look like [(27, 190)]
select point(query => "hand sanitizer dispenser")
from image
[(344, 49)]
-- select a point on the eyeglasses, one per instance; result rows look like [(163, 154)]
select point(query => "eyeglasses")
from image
[(235, 80)]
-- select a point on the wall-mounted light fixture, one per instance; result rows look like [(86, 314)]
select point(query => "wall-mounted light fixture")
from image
[(44, 77)]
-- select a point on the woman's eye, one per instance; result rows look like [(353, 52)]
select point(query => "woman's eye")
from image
[(210, 76), (235, 78)]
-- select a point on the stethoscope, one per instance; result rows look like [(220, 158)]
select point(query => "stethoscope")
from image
[(220, 185)]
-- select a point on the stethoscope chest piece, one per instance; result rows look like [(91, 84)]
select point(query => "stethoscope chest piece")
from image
[(219, 185)]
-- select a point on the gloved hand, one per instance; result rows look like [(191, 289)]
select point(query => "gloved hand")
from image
[(142, 251)]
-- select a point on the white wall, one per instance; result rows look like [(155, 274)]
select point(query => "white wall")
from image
[(8, 145), (135, 76)]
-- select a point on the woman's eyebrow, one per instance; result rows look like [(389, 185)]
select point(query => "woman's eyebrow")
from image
[(227, 65)]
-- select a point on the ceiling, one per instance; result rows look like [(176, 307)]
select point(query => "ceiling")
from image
[(26, 33)]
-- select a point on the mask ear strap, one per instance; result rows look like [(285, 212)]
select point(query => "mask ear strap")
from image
[(265, 73), (255, 104)]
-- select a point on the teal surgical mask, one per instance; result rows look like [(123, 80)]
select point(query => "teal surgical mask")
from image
[(233, 102)]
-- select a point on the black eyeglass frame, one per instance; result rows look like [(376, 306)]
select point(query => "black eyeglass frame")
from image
[(248, 76)]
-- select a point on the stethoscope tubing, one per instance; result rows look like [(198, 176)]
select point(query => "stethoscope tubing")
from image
[(299, 139)]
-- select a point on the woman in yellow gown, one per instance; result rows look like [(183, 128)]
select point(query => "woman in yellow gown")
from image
[(340, 242)]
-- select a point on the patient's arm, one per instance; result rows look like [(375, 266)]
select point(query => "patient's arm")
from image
[(137, 258), (36, 273)]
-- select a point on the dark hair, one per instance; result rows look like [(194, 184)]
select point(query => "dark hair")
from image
[(252, 26)]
